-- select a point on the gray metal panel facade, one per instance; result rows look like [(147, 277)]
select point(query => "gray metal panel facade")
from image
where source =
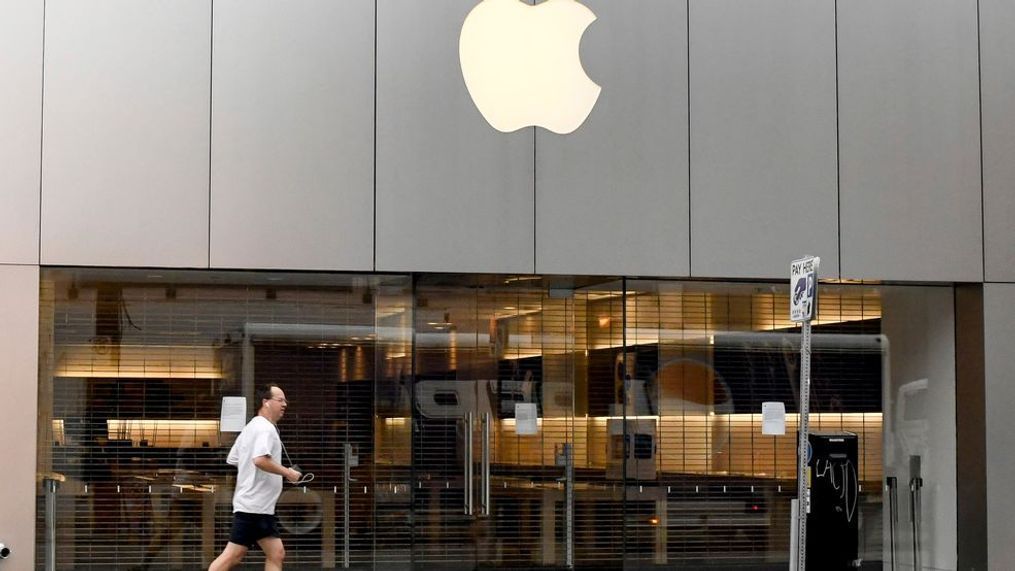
[(21, 124), (125, 139), (997, 60), (999, 330), (126, 136), (293, 134), (453, 194), (612, 196), (19, 351), (909, 140), (763, 138)]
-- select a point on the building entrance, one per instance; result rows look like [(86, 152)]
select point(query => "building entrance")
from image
[(492, 428)]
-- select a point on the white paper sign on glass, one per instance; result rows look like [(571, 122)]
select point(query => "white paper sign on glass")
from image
[(525, 419), (773, 418), (234, 414)]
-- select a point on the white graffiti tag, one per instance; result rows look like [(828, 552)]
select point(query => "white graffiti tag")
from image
[(842, 477)]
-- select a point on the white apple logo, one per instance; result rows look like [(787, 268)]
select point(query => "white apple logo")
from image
[(522, 66)]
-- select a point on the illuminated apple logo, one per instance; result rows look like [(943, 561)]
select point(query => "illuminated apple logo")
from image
[(522, 67)]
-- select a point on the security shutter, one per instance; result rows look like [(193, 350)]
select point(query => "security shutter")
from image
[(134, 371), (654, 386)]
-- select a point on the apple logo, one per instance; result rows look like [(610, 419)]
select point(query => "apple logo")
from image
[(522, 66)]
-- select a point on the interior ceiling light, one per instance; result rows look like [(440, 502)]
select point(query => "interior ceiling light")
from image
[(522, 279)]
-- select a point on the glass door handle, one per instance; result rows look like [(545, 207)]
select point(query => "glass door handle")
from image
[(468, 463), (915, 515), (485, 473), (891, 483)]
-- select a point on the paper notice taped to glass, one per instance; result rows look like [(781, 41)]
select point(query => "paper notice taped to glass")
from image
[(525, 419), (234, 414), (773, 418)]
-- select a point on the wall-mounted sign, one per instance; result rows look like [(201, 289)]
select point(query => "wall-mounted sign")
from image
[(522, 66)]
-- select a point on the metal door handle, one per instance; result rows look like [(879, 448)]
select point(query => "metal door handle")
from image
[(485, 474), (468, 463), (893, 517), (346, 517), (915, 515)]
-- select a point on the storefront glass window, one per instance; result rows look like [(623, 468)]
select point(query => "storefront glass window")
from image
[(489, 421)]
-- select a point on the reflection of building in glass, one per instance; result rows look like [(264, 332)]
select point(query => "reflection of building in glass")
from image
[(658, 416)]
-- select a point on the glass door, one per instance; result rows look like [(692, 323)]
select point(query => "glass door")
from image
[(443, 398), (528, 479), (392, 462), (492, 427)]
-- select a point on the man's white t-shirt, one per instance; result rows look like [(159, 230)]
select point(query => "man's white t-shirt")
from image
[(256, 490)]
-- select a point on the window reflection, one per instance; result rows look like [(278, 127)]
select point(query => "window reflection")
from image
[(652, 388)]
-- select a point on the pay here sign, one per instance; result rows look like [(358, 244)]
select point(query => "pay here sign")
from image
[(803, 282)]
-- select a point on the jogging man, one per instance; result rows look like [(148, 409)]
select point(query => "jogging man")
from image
[(257, 455)]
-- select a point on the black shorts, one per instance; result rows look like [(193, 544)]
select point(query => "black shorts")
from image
[(248, 528)]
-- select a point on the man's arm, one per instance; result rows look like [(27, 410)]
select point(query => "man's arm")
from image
[(268, 465)]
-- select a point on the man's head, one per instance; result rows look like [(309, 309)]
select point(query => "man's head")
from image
[(273, 403)]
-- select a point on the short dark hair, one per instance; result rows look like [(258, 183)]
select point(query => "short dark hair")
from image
[(264, 393)]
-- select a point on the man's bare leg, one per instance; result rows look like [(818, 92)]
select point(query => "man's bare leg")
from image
[(274, 553), (231, 556)]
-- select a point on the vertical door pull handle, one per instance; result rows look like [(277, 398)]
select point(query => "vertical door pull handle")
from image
[(485, 475), (468, 464)]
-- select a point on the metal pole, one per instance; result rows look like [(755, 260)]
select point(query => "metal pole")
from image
[(51, 487), (803, 472)]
